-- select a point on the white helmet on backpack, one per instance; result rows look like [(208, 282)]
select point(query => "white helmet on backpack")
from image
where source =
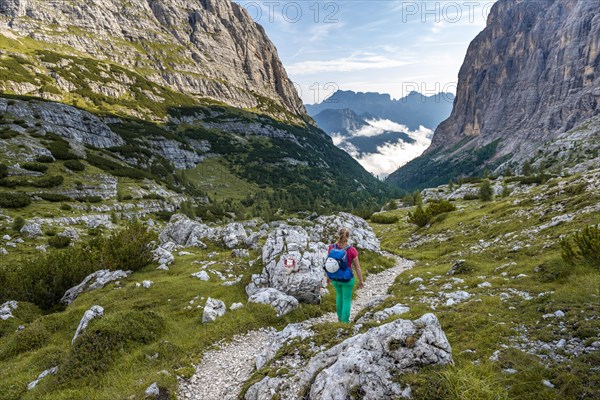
[(332, 265)]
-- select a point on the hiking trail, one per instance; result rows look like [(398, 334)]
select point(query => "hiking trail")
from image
[(222, 372)]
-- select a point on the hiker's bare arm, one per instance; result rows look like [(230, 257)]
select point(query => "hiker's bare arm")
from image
[(356, 265)]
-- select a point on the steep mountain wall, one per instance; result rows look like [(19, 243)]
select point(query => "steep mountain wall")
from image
[(203, 49), (532, 74)]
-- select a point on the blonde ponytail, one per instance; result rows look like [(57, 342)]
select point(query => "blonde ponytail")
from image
[(343, 236)]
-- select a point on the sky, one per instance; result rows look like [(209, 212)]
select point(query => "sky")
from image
[(389, 46)]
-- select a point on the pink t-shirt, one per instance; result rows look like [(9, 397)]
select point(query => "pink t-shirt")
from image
[(352, 253)]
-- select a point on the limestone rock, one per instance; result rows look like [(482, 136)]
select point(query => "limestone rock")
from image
[(382, 315), (213, 309), (281, 302), (395, 347), (147, 284), (202, 275), (292, 331), (240, 253), (361, 234), (7, 308), (163, 256), (93, 281), (32, 230), (93, 312), (49, 371), (152, 390)]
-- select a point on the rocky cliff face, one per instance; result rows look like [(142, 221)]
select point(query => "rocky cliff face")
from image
[(530, 75), (174, 52)]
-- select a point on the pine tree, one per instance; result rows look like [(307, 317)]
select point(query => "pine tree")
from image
[(486, 192)]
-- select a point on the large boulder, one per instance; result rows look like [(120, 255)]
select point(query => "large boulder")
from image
[(325, 229), (281, 302), (93, 312), (293, 265), (93, 281)]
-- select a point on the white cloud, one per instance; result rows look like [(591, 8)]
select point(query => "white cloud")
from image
[(390, 156), (346, 64)]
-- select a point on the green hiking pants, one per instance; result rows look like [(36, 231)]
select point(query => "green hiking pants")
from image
[(343, 299)]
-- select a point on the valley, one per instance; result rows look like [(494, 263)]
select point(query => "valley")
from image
[(167, 203)]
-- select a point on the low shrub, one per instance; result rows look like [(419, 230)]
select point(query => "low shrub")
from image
[(43, 280), (5, 135), (34, 336), (470, 197), (89, 199), (553, 270), (384, 219), (48, 181), (66, 207), (164, 215), (14, 200), (115, 168), (54, 197), (419, 217), (583, 248), (74, 165), (61, 150), (153, 196), (486, 193), (127, 249), (423, 216), (44, 159), (98, 347), (34, 166), (59, 242), (18, 224), (3, 171), (437, 207)]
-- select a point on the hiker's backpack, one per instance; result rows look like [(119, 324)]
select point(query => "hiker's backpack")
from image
[(336, 265)]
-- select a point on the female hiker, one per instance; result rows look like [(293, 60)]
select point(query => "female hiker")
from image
[(342, 260)]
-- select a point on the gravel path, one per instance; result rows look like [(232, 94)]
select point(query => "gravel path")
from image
[(222, 372)]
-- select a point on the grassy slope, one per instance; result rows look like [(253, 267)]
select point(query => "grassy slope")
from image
[(484, 234), (179, 347)]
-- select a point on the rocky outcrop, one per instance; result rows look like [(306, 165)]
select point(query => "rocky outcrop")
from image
[(368, 361), (94, 281), (63, 120), (93, 312), (529, 76), (188, 233), (208, 49)]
